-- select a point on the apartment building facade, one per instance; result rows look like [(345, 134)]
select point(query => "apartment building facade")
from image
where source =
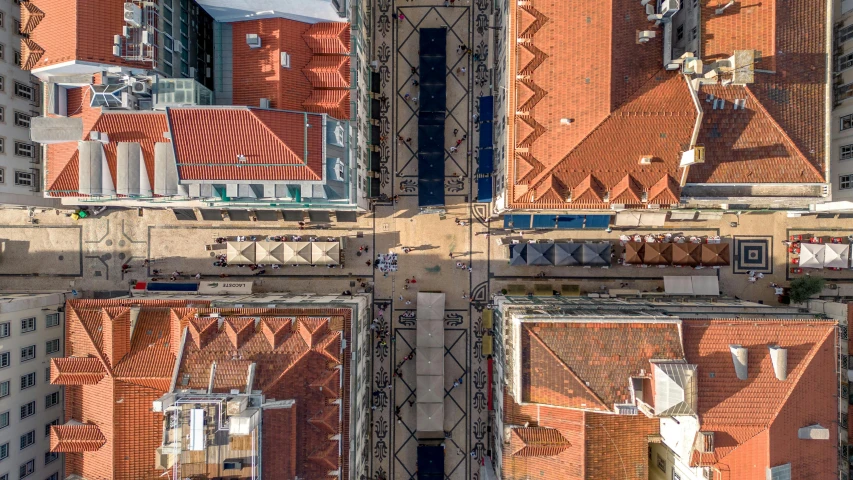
[(31, 333), (841, 126), (21, 164)]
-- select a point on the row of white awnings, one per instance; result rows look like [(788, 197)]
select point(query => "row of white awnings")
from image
[(429, 366), (131, 174), (270, 252), (831, 255)]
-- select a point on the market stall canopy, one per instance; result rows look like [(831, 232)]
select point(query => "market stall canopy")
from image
[(268, 252), (812, 255), (634, 252), (430, 417), (692, 285), (715, 254), (325, 253), (658, 254), (240, 253), (595, 254), (540, 253), (430, 361), (837, 255), (567, 254), (430, 388), (686, 254), (296, 253), (518, 254), (430, 333), (430, 306)]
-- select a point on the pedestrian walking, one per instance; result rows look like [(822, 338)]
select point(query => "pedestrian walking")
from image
[(453, 149), (455, 131), (458, 142), (413, 279), (463, 68), (415, 82), (198, 276), (409, 140), (415, 100), (407, 96)]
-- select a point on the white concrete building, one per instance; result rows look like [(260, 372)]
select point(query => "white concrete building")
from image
[(31, 333), (21, 166)]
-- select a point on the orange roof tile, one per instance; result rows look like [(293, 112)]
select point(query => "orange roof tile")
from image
[(590, 190), (319, 61), (598, 358), (76, 438), (208, 141), (664, 192), (120, 406), (627, 191), (31, 52), (76, 371), (538, 442), (621, 105), (31, 15), (758, 418)]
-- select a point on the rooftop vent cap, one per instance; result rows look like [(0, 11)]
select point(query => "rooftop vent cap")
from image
[(739, 358), (285, 60), (253, 40), (813, 432), (779, 358), (646, 160), (565, 121), (645, 35), (265, 103), (241, 158)]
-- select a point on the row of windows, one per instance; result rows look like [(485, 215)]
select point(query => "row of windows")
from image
[(29, 352), (29, 324), (22, 178)]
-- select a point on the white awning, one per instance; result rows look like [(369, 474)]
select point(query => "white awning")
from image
[(812, 255), (430, 333), (269, 252), (240, 253), (93, 171), (430, 361), (296, 253), (325, 253), (430, 417), (706, 285), (692, 285), (837, 255), (430, 306), (430, 388), (165, 170), (635, 219), (678, 285)]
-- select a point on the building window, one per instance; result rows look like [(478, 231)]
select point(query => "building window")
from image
[(846, 122), (845, 182), (52, 346), (2, 20), (48, 458), (47, 427), (51, 400), (25, 179), (22, 120), (28, 409), (2, 51), (2, 175), (27, 469), (5, 359), (845, 33), (694, 32), (28, 439), (28, 325), (26, 92), (55, 476), (675, 475), (52, 320), (661, 463), (2, 140), (846, 152), (28, 353), (28, 380), (17, 57), (4, 419), (4, 388), (679, 32), (47, 375), (24, 149), (5, 329), (844, 62), (2, 83), (4, 451)]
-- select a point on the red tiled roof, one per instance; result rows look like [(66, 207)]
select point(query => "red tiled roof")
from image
[(622, 106), (31, 15), (76, 438), (71, 30), (120, 406), (76, 371), (319, 64), (594, 446), (591, 363), (755, 421), (209, 140), (31, 52)]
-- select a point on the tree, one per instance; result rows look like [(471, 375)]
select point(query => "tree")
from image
[(804, 287)]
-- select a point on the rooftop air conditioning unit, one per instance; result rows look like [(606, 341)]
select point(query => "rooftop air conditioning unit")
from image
[(253, 40), (140, 88), (668, 8), (265, 103), (132, 14), (285, 60), (147, 37), (645, 35)]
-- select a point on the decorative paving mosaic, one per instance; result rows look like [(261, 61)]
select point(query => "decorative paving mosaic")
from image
[(752, 253)]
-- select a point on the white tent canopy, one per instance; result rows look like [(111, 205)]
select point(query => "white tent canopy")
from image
[(240, 253), (296, 253), (693, 285), (837, 255), (812, 255), (430, 417), (325, 253), (268, 252), (430, 362), (430, 333), (430, 306), (430, 388)]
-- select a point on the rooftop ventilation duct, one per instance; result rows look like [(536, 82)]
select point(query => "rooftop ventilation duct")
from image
[(813, 432), (779, 357), (739, 357)]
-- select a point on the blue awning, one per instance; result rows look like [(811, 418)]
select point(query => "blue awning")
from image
[(484, 189), (171, 287), (487, 109), (570, 222), (518, 222), (544, 221), (430, 193), (600, 222), (487, 161), (486, 135)]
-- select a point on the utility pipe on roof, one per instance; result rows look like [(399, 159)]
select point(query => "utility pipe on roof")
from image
[(696, 126)]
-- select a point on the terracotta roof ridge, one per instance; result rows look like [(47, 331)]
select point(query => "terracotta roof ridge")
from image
[(98, 352), (568, 368), (784, 133)]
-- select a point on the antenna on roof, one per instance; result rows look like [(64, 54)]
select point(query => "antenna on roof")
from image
[(241, 158)]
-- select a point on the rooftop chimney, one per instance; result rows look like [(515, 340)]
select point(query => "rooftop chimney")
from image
[(779, 357), (739, 356)]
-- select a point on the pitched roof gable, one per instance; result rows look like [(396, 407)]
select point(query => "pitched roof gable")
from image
[(76, 371), (31, 15), (538, 442), (76, 438)]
